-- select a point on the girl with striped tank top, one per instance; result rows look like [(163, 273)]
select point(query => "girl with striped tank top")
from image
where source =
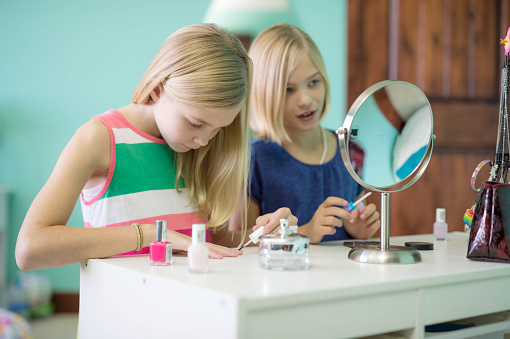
[(179, 152)]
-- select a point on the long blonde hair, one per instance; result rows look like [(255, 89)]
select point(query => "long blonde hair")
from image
[(204, 66), (275, 52)]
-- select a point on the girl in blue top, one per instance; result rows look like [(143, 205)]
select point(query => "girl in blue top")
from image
[(295, 162)]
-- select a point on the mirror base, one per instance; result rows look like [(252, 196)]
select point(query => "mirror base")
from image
[(395, 255)]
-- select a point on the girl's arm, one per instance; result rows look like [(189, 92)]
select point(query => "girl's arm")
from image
[(45, 241)]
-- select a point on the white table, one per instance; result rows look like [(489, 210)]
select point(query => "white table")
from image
[(335, 298)]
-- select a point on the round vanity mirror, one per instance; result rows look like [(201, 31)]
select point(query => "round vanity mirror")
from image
[(386, 144)]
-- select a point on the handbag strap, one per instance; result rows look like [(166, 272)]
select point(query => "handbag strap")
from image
[(475, 173)]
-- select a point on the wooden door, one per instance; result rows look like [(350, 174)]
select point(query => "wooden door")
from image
[(451, 50)]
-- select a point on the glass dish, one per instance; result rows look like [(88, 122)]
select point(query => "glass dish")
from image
[(284, 250)]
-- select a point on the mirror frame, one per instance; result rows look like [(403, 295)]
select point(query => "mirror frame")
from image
[(344, 133)]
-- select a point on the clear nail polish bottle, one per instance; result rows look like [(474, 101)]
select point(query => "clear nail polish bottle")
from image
[(284, 250), (440, 227), (198, 252)]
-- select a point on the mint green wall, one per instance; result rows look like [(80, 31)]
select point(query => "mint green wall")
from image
[(62, 62)]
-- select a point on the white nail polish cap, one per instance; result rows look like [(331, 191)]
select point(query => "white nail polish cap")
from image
[(198, 234), (254, 237), (440, 214)]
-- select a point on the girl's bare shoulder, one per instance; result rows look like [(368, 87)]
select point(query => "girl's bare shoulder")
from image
[(91, 144)]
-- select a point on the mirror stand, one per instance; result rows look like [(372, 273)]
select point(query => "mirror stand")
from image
[(384, 253), (388, 130)]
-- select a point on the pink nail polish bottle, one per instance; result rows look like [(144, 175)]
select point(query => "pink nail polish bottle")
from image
[(161, 250), (198, 252)]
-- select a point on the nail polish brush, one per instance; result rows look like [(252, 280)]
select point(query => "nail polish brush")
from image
[(254, 237), (352, 206)]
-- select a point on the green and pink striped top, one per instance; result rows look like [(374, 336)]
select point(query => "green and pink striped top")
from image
[(140, 186)]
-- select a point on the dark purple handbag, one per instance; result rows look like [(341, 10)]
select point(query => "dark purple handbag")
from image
[(490, 229)]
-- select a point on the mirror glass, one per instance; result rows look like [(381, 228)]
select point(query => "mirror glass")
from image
[(389, 131)]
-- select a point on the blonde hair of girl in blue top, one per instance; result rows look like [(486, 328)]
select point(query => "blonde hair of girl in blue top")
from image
[(277, 50), (194, 95)]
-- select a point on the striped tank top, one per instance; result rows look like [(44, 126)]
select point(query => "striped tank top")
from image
[(140, 186)]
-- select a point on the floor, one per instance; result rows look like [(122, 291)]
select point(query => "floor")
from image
[(56, 326)]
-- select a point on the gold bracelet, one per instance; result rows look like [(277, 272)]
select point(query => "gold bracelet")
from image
[(140, 236)]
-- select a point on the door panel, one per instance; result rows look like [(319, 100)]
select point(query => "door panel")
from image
[(450, 49)]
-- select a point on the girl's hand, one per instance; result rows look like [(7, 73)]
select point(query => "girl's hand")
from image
[(181, 242), (366, 222), (271, 221), (326, 218)]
